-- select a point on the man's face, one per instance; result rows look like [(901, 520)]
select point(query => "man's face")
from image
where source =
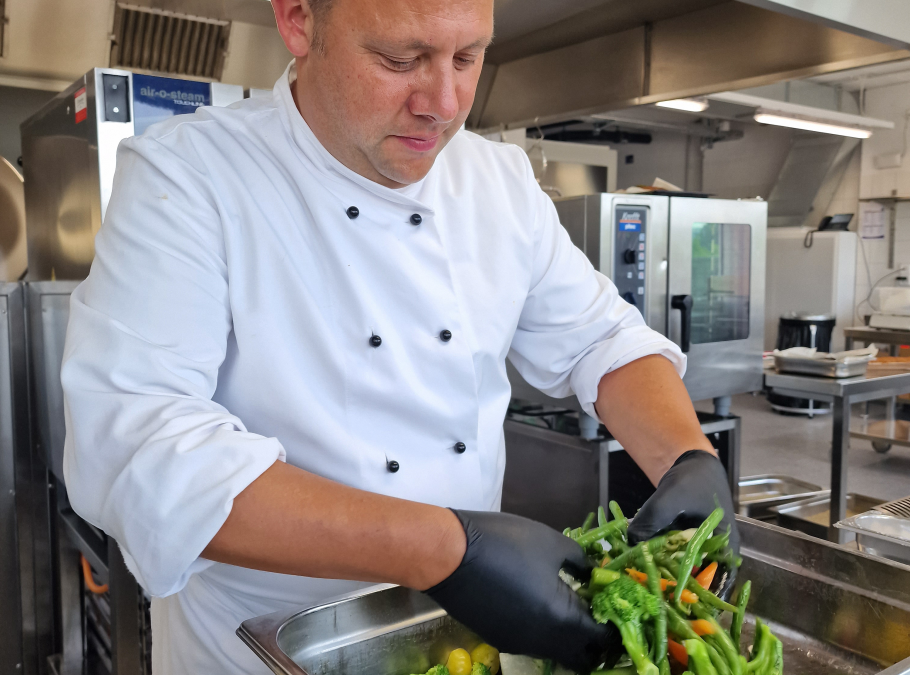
[(393, 82)]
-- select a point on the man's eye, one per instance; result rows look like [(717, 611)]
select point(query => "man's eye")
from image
[(462, 61), (399, 65)]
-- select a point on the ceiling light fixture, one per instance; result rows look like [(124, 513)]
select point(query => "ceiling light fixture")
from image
[(687, 104), (810, 125)]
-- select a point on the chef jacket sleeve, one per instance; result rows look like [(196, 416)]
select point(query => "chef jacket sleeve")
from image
[(574, 328), (149, 457)]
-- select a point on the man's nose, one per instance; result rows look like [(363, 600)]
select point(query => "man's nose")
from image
[(437, 97)]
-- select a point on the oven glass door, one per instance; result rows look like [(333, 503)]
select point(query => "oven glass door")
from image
[(716, 293)]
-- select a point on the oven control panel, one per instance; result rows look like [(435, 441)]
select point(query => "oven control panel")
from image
[(629, 254)]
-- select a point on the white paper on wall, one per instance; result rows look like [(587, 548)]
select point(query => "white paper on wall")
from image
[(871, 220)]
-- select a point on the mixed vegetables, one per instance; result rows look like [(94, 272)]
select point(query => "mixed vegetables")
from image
[(669, 619), (482, 660)]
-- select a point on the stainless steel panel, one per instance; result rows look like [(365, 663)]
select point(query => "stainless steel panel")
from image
[(657, 254), (590, 221), (69, 169), (61, 187), (729, 367), (552, 477), (48, 314), (11, 600), (852, 616)]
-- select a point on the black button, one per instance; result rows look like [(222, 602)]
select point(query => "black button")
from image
[(352, 212), (628, 256), (445, 335), (393, 466), (460, 447), (416, 219), (375, 341)]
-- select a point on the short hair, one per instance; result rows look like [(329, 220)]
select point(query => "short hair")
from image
[(320, 10)]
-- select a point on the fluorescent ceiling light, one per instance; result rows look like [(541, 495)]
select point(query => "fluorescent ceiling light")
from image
[(810, 125), (687, 104)]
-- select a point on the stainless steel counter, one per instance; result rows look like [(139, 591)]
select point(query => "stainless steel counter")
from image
[(841, 393)]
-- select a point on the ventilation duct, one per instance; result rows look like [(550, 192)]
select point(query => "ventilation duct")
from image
[(166, 42)]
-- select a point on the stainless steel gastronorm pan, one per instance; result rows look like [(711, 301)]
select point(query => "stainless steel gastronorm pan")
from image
[(880, 534), (836, 611), (820, 367), (813, 516), (757, 494)]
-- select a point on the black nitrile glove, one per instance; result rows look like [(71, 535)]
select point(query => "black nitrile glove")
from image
[(687, 494), (508, 591)]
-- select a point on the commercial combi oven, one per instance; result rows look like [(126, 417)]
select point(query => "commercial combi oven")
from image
[(695, 269)]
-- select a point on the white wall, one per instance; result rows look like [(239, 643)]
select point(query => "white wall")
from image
[(664, 157), (747, 167), (892, 103)]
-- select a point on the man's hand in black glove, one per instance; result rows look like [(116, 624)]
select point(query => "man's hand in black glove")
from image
[(507, 589), (687, 494)]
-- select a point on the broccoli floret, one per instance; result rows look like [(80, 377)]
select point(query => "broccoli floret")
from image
[(626, 603), (479, 669), (438, 670)]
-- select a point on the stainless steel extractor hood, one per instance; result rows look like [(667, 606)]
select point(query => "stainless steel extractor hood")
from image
[(603, 55), (551, 60)]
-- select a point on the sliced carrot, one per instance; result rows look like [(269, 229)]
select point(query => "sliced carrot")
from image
[(605, 561), (702, 627), (688, 597), (678, 652), (640, 577), (706, 576)]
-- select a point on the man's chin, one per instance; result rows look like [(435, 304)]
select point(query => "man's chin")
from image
[(407, 172)]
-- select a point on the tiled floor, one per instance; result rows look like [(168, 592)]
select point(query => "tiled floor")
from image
[(800, 447)]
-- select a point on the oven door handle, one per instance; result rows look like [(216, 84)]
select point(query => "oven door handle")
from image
[(684, 304)]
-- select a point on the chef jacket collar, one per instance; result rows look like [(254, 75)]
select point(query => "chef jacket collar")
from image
[(334, 170)]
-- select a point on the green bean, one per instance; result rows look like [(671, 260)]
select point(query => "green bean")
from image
[(617, 545), (761, 649), (717, 543), (660, 627), (589, 521), (598, 533), (678, 625), (601, 516), (717, 658), (699, 658), (618, 515), (693, 550), (629, 557), (664, 666), (684, 631), (777, 659), (723, 641), (603, 577), (737, 626), (704, 595)]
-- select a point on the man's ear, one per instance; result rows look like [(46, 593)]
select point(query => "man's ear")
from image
[(295, 24)]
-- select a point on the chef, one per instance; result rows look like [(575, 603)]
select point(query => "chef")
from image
[(285, 375)]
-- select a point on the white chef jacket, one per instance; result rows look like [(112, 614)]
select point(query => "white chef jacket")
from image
[(230, 321)]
